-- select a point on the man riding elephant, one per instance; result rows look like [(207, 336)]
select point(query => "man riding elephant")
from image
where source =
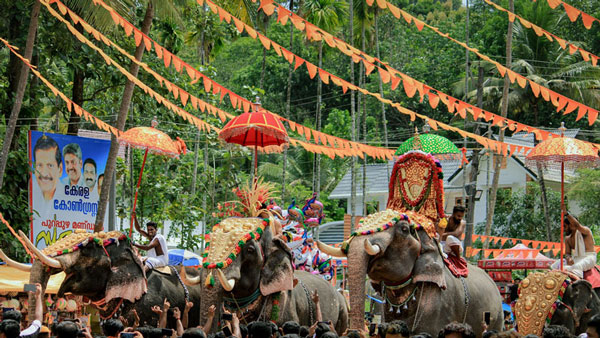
[(104, 268), (579, 247), (397, 249), (248, 270)]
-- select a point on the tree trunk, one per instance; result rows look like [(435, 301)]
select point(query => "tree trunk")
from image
[(32, 92), (474, 169), (78, 79), (319, 103), (121, 119), (288, 101), (353, 114), (16, 33), (383, 118), (22, 83), (504, 112), (540, 171), (264, 57), (195, 170), (364, 125)]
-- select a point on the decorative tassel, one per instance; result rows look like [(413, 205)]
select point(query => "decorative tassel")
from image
[(210, 280), (398, 311), (405, 307), (391, 309), (414, 299)]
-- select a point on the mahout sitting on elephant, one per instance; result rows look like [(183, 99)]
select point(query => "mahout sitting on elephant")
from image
[(398, 249), (105, 268), (405, 266)]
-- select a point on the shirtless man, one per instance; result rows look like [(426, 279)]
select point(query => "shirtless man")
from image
[(450, 236), (157, 250), (579, 247)]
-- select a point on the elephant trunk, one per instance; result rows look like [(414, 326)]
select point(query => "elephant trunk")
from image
[(39, 274), (211, 295), (357, 271)]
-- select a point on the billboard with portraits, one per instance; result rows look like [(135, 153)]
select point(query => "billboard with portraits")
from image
[(65, 183)]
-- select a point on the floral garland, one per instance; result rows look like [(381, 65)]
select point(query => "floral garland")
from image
[(85, 242), (558, 301), (436, 175), (238, 248), (386, 226), (403, 217), (275, 307)]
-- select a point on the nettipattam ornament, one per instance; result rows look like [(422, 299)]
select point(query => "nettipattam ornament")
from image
[(539, 295), (81, 238)]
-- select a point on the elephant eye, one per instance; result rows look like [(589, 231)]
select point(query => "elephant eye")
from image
[(250, 249), (404, 228)]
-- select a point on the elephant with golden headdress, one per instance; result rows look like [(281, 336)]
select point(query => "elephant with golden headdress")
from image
[(105, 268), (249, 271)]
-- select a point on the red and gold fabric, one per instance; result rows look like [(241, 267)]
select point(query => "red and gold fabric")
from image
[(154, 140), (261, 129), (416, 184)]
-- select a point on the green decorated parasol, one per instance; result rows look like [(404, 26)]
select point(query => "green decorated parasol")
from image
[(436, 145)]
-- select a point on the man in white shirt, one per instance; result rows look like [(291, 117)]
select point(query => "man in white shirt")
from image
[(156, 249), (73, 163)]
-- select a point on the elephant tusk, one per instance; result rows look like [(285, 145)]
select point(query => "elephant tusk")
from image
[(227, 284), (190, 281), (331, 251), (16, 265), (41, 256), (371, 249)]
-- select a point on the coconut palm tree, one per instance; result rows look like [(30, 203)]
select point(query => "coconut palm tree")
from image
[(99, 18), (363, 26), (90, 13), (328, 15), (166, 9), (545, 63)]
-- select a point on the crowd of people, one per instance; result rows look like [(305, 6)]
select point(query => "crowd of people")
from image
[(173, 323)]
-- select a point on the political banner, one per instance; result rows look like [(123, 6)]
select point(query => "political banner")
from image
[(64, 184)]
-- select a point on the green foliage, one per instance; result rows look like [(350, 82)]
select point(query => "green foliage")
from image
[(519, 214), (585, 190)]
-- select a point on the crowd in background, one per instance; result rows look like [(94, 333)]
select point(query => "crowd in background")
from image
[(172, 323)]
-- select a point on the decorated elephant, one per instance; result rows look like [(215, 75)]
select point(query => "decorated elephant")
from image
[(249, 271), (551, 298), (106, 269), (406, 267)]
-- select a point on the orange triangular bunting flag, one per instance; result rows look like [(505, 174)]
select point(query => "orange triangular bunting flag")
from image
[(312, 69)]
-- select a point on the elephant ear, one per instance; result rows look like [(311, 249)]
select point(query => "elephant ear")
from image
[(277, 273), (429, 266), (127, 279)]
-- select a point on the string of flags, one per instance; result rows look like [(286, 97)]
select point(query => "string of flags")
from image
[(561, 102), (70, 104), (502, 148), (339, 146), (539, 31), (573, 13), (394, 76), (543, 246)]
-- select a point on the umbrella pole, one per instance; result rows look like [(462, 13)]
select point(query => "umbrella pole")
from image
[(255, 163), (136, 191), (562, 212)]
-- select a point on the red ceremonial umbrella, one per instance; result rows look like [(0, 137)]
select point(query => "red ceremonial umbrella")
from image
[(563, 151), (154, 140), (258, 128)]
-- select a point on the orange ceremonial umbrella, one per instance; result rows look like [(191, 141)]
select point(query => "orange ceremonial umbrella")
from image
[(259, 129), (563, 151), (154, 140)]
